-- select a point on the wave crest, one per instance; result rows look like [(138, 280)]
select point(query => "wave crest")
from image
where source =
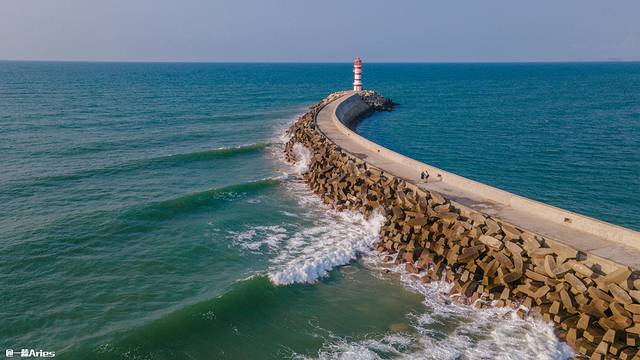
[(215, 153), (164, 160), (196, 200), (334, 239)]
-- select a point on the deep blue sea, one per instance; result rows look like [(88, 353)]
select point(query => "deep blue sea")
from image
[(565, 134), (146, 212)]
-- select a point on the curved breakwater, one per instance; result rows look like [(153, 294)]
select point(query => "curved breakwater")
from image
[(592, 301)]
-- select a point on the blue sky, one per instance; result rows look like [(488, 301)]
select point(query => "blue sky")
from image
[(319, 31)]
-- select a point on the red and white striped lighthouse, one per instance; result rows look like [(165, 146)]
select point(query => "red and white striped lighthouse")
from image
[(357, 74)]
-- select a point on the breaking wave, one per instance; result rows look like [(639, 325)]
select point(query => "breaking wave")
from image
[(303, 158), (323, 240), (448, 330), (334, 240), (328, 239)]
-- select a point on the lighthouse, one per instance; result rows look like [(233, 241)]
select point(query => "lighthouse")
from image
[(357, 74)]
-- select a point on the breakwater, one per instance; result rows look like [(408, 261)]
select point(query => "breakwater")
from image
[(497, 249)]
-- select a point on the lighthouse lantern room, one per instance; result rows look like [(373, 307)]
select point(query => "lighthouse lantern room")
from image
[(357, 74)]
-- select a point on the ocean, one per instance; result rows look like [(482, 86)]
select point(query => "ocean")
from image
[(147, 212), (565, 134)]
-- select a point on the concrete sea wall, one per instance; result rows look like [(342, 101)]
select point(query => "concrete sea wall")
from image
[(593, 302)]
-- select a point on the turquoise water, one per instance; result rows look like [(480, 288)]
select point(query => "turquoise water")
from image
[(147, 212)]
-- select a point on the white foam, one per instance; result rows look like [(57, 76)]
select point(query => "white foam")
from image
[(289, 214), (325, 239), (463, 333), (330, 238), (448, 330), (334, 239), (391, 346), (303, 158), (257, 237)]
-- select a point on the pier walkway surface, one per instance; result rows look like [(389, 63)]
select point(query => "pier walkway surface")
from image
[(604, 240)]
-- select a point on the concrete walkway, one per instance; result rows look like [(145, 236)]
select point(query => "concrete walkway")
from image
[(615, 243)]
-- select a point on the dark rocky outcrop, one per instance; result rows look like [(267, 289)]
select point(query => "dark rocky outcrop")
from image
[(377, 101)]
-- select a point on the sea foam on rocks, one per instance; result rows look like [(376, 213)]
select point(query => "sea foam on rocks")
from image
[(303, 157)]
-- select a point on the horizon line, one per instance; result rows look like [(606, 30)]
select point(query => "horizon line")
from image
[(612, 60)]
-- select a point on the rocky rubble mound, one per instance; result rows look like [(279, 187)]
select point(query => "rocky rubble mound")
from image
[(377, 101), (490, 262)]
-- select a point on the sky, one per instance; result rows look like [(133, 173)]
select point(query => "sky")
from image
[(320, 31)]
